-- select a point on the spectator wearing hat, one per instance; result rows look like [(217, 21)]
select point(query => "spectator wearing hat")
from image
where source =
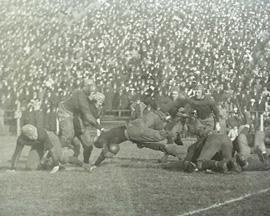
[(137, 109), (50, 115), (121, 100), (35, 109), (228, 92), (109, 94), (261, 104), (258, 85), (252, 106), (248, 95), (246, 116), (159, 97), (255, 93), (234, 119), (217, 95), (242, 101), (233, 133), (255, 123), (223, 118), (265, 93)]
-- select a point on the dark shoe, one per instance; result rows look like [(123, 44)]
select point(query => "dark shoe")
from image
[(178, 140), (266, 167), (61, 167), (164, 159), (189, 167), (170, 137), (86, 167), (234, 166), (222, 165), (140, 145), (266, 159), (179, 157)]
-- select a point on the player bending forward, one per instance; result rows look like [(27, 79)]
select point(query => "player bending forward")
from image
[(41, 141), (147, 131)]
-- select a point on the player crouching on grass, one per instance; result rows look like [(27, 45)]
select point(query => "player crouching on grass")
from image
[(39, 141), (44, 144)]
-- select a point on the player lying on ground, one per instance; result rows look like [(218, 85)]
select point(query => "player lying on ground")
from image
[(147, 131), (250, 150), (213, 152)]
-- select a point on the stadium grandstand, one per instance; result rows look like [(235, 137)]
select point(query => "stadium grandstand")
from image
[(135, 50)]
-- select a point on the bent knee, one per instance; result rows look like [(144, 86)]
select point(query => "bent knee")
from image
[(88, 148), (200, 165)]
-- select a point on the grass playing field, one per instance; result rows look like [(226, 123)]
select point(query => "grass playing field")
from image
[(132, 183)]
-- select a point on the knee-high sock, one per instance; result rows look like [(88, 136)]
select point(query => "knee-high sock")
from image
[(74, 160), (206, 164), (87, 153)]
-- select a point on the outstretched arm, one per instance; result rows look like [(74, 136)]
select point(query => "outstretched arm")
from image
[(102, 155), (16, 156)]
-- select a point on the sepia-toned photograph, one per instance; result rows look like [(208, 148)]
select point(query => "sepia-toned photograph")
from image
[(135, 108)]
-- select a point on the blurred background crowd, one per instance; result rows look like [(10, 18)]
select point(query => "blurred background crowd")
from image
[(135, 50)]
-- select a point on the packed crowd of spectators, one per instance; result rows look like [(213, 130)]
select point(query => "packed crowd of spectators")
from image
[(134, 49)]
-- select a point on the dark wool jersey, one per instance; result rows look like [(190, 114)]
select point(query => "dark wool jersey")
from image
[(78, 102), (42, 141), (178, 103), (205, 107), (172, 107)]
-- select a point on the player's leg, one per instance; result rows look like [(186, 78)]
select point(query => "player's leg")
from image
[(243, 146), (66, 127), (76, 143), (87, 143), (254, 163), (174, 129), (34, 157), (211, 147), (259, 146), (174, 150), (57, 148), (194, 150)]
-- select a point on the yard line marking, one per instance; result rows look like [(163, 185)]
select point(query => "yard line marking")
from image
[(224, 203)]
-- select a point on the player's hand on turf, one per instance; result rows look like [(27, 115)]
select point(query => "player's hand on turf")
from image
[(218, 127), (55, 169), (92, 168), (87, 167), (103, 130)]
